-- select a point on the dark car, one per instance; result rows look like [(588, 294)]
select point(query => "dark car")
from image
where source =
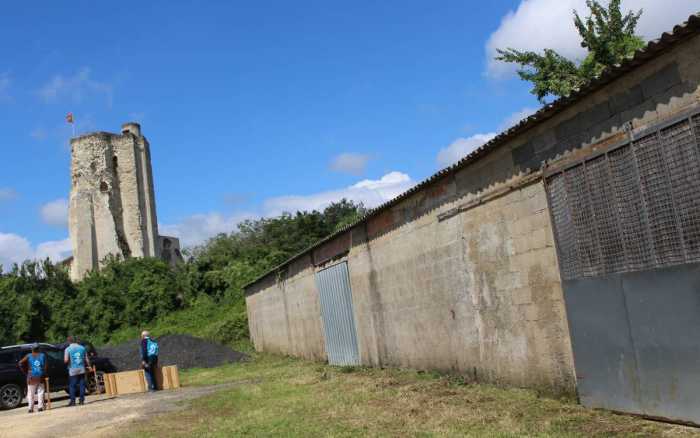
[(13, 382)]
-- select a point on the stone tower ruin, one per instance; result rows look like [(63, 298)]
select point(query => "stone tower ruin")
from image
[(112, 202)]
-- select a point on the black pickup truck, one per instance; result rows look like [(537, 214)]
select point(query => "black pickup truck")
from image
[(13, 386)]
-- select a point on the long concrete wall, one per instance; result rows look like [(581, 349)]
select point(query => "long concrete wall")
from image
[(476, 293), (286, 318), (463, 274)]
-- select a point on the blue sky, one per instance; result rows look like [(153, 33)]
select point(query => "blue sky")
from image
[(252, 108)]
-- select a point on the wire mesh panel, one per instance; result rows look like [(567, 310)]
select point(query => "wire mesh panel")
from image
[(633, 208), (658, 198), (603, 204), (630, 209), (563, 225), (588, 262), (683, 162)]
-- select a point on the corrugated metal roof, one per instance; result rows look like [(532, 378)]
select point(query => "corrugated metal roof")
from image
[(653, 49)]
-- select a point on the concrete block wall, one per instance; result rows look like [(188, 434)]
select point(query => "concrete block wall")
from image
[(476, 293), (268, 319), (304, 312), (463, 274), (515, 294), (286, 319)]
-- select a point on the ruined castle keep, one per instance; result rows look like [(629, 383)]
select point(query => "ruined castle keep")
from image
[(112, 201)]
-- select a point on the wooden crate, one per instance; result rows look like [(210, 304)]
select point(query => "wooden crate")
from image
[(127, 382), (131, 382), (168, 377)]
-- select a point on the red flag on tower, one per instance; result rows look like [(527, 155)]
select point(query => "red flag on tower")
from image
[(69, 117)]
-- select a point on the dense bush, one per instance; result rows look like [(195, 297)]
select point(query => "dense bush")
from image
[(203, 296), (39, 302)]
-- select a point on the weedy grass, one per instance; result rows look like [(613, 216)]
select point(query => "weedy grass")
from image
[(276, 396)]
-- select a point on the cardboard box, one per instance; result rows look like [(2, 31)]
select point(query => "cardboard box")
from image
[(132, 382), (168, 377)]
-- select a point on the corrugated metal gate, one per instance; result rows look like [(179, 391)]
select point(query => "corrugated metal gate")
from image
[(627, 226), (337, 314)]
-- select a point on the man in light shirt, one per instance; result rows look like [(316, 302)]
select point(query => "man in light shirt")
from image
[(78, 363)]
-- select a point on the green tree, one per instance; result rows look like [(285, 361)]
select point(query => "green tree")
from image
[(607, 34), (38, 302)]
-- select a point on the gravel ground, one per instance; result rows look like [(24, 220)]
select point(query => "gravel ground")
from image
[(181, 350), (100, 417)]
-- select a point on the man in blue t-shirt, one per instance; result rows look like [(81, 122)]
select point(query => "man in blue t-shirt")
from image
[(35, 364), (77, 360)]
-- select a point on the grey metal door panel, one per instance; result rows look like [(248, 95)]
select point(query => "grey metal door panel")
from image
[(603, 351), (664, 314), (337, 315)]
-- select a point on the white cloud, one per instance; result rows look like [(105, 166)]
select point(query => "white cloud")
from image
[(55, 212), (56, 250), (539, 24), (75, 88), (17, 249), (461, 148), (14, 249), (354, 164), (370, 192), (7, 194), (516, 117), (197, 228)]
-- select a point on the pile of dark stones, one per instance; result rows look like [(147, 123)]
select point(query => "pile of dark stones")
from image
[(182, 350)]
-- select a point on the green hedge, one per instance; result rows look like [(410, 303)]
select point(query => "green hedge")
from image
[(202, 297)]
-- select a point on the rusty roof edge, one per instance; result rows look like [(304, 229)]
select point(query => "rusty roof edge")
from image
[(645, 54)]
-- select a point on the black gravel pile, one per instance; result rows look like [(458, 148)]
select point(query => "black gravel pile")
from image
[(181, 350)]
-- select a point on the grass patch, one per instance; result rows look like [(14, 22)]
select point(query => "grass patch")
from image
[(278, 396)]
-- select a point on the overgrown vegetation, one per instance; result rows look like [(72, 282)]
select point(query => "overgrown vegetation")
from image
[(275, 396), (607, 34), (203, 297)]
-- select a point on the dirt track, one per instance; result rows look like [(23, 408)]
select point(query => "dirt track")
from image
[(99, 417)]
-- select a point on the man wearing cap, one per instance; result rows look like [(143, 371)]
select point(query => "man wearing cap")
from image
[(77, 360), (149, 359), (35, 364)]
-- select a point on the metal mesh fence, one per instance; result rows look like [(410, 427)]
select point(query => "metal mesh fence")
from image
[(630, 208), (655, 187), (588, 261), (603, 204), (683, 161), (566, 238), (633, 208)]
